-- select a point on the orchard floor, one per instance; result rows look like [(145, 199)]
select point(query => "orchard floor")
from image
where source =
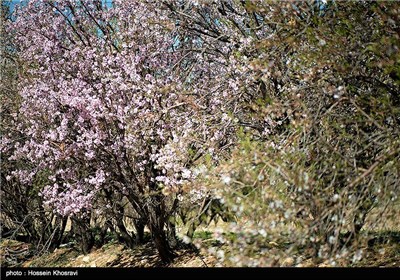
[(382, 251), (15, 253)]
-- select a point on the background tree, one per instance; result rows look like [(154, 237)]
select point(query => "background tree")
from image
[(328, 154)]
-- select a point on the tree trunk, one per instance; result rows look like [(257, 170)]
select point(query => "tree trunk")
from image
[(156, 224), (171, 233), (124, 235), (85, 237), (139, 226), (152, 211), (60, 225), (161, 242)]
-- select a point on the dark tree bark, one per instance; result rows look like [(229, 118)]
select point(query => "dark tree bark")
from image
[(139, 224), (157, 223), (60, 224), (171, 232), (161, 242), (123, 233), (83, 233)]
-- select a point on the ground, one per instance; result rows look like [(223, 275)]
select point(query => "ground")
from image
[(15, 253), (383, 250)]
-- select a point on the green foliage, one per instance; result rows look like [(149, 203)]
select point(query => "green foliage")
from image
[(202, 234)]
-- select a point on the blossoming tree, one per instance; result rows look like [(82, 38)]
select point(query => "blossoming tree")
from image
[(117, 103)]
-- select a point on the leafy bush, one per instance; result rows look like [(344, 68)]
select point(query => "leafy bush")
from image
[(328, 149)]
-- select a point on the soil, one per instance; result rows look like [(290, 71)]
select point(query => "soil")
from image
[(15, 253)]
